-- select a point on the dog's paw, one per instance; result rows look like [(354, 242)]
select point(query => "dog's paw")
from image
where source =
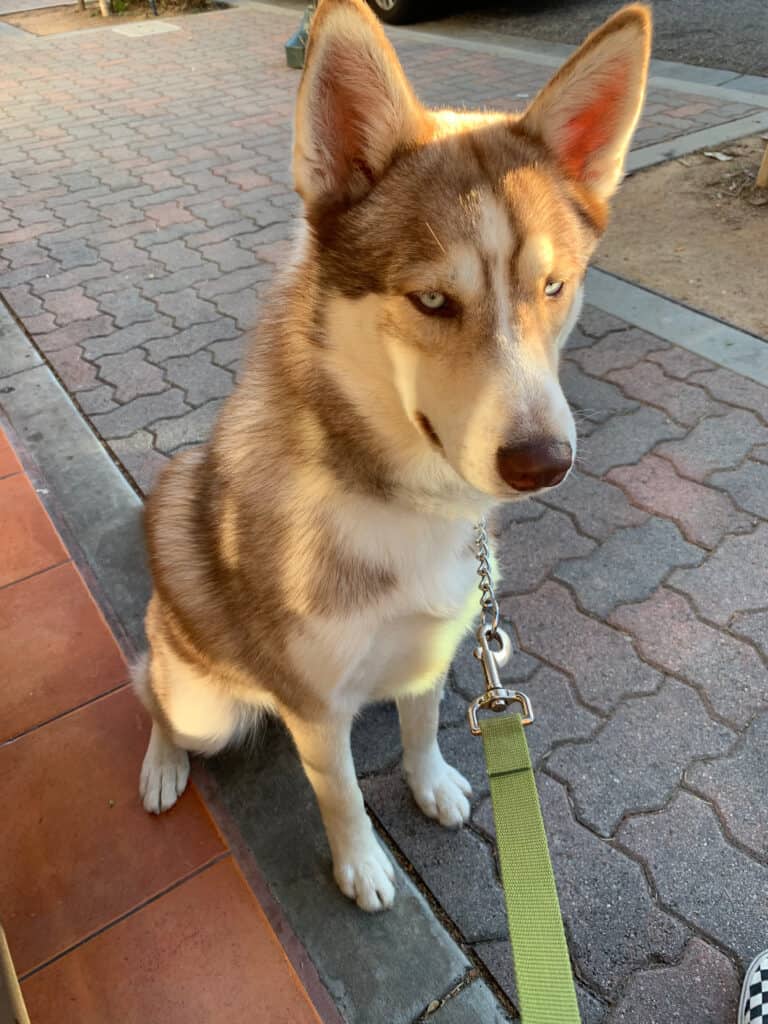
[(440, 791), (365, 874), (164, 775)]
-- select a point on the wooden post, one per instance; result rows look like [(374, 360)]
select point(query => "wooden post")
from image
[(762, 174), (106, 8)]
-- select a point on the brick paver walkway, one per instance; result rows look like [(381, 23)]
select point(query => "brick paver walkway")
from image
[(138, 234), (111, 915)]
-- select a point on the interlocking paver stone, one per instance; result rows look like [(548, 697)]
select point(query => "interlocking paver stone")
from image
[(597, 323), (131, 374), (529, 550), (702, 989), (626, 439), (595, 400), (680, 363), (140, 457), (736, 390), (128, 418), (617, 350), (628, 566), (598, 507), (198, 377), (184, 343), (700, 876), (613, 924), (126, 306), (728, 672), (754, 626), (643, 751), (718, 442), (600, 661), (760, 453), (685, 403), (186, 308), (71, 304), (703, 514), (110, 340), (747, 485), (735, 784), (731, 580), (190, 428)]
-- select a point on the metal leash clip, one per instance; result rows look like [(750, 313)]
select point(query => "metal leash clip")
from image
[(496, 697)]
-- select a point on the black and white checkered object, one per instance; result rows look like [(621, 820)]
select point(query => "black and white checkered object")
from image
[(754, 995)]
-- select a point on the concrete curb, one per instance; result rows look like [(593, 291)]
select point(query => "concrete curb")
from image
[(736, 350)]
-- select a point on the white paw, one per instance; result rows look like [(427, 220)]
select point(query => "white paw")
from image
[(365, 874), (440, 791), (164, 774)]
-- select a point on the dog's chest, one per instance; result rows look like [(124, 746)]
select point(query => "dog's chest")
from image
[(404, 640)]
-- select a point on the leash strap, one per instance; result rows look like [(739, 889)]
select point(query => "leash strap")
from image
[(539, 948)]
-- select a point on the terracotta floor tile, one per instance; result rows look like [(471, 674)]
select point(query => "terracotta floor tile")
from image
[(56, 650), (76, 848), (8, 461), (201, 953), (29, 540)]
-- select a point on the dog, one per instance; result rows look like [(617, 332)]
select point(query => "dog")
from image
[(317, 553)]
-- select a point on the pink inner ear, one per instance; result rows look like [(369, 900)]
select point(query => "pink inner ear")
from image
[(594, 126), (343, 113)]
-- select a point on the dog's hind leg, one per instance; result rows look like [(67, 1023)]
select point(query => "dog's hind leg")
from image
[(188, 714), (362, 869), (439, 789)]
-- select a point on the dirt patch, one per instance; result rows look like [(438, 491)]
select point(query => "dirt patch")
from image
[(696, 229), (49, 21)]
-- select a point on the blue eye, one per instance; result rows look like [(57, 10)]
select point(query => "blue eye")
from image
[(431, 300)]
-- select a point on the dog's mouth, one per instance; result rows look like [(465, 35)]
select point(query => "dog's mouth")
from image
[(428, 430)]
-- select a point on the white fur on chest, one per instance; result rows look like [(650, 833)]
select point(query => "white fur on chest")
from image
[(405, 639)]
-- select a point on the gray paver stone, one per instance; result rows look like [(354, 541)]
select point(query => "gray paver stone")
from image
[(186, 308), (702, 989), (131, 374), (595, 400), (736, 785), (598, 507), (188, 429), (747, 485), (731, 387), (528, 551), (600, 661), (140, 413), (636, 761), (199, 377), (754, 626), (700, 876), (628, 566), (727, 671), (718, 442), (731, 580), (617, 350), (626, 439), (183, 343), (613, 924)]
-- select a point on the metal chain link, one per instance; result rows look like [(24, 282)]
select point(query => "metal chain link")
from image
[(490, 615)]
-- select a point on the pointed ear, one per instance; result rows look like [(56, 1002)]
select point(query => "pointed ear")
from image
[(587, 113), (355, 108)]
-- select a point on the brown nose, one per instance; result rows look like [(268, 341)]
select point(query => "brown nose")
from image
[(534, 464)]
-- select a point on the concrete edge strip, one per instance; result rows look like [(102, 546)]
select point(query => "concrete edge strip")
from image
[(712, 339), (103, 513), (729, 131)]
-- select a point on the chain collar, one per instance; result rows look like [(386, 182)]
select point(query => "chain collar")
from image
[(493, 644)]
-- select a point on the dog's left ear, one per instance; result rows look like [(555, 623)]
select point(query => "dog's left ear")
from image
[(355, 108), (587, 113)]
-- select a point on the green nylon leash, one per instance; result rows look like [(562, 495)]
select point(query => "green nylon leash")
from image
[(545, 987), (542, 966)]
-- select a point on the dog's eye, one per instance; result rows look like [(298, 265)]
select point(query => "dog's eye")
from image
[(553, 288), (434, 303), (431, 300)]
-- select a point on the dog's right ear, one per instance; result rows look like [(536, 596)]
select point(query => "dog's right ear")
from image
[(355, 107)]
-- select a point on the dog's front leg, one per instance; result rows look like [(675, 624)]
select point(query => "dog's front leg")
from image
[(439, 790), (362, 869)]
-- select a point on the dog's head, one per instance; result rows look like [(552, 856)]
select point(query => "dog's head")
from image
[(452, 246)]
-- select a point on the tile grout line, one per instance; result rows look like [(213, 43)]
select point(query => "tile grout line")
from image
[(216, 859), (39, 572), (65, 714)]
